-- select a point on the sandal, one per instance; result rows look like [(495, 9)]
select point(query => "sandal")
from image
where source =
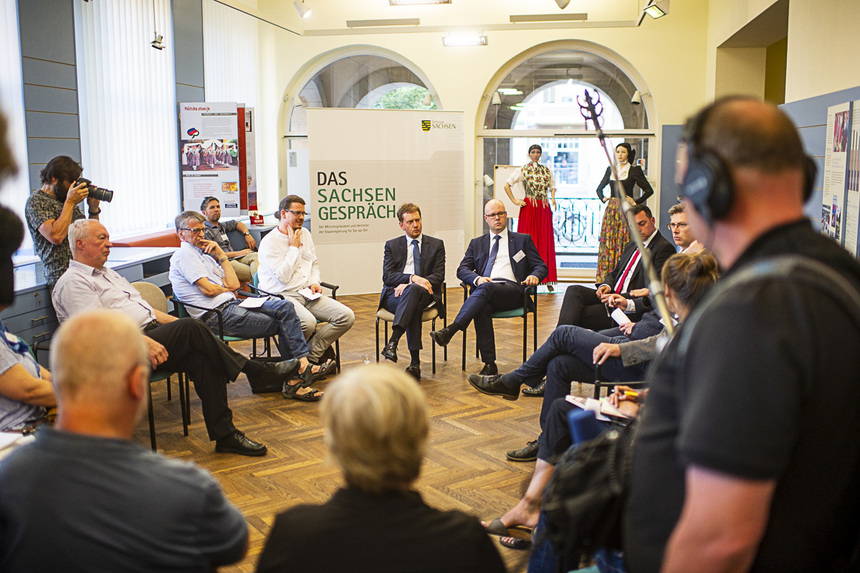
[(308, 376), (515, 543), (291, 392), (496, 527)]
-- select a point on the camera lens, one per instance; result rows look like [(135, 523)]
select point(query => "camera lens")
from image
[(100, 193)]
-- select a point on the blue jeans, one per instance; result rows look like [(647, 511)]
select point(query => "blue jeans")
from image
[(275, 317)]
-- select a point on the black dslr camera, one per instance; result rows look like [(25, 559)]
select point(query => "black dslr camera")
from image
[(99, 193)]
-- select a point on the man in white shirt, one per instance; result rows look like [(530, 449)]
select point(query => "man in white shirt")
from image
[(175, 345), (202, 276), (289, 267)]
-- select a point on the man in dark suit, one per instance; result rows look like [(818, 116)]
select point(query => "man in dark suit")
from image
[(497, 265), (412, 273), (586, 307)]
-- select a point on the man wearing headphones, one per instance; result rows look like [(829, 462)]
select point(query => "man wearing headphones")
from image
[(744, 459)]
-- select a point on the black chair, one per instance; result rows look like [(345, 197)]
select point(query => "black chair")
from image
[(600, 384)]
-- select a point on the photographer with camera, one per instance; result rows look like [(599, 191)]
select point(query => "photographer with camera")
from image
[(51, 209)]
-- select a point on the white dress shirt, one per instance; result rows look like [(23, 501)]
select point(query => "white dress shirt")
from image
[(83, 287), (284, 267), (502, 266), (409, 267)]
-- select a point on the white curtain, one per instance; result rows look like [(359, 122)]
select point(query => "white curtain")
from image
[(127, 97), (230, 50), (14, 191)]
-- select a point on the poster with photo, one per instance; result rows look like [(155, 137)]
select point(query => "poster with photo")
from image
[(835, 164), (852, 195), (209, 152)]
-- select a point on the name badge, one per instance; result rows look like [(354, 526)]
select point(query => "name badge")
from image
[(519, 256), (223, 237)]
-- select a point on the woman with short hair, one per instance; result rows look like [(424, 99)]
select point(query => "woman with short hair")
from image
[(376, 428)]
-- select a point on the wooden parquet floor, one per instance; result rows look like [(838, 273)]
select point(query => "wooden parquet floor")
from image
[(470, 432)]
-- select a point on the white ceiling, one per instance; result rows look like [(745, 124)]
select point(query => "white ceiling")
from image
[(330, 16)]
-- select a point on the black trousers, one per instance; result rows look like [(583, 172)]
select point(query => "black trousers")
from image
[(581, 307), (203, 357), (407, 309)]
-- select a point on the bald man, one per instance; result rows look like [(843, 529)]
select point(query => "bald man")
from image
[(497, 266), (84, 497), (745, 459)]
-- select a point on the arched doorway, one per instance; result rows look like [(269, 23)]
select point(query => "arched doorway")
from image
[(360, 77), (533, 99)]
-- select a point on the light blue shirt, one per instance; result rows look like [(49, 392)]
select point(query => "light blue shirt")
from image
[(14, 414), (188, 265)]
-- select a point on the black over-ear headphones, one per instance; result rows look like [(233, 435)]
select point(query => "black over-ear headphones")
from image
[(708, 183)]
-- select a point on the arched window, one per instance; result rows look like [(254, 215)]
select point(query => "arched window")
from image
[(361, 81), (355, 80), (536, 100)]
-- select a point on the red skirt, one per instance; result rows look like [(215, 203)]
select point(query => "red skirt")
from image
[(536, 220)]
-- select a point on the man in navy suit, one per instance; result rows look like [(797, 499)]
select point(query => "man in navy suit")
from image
[(586, 307), (497, 265), (412, 273)]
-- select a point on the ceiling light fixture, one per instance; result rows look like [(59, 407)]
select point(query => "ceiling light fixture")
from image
[(562, 3), (657, 8), (303, 10), (464, 41), (497, 99), (157, 43)]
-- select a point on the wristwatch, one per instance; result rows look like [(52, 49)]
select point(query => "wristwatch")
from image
[(246, 233)]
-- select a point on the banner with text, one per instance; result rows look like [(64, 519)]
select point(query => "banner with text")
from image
[(365, 163), (209, 151)]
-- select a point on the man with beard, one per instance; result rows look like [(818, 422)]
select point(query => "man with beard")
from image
[(244, 262), (50, 211)]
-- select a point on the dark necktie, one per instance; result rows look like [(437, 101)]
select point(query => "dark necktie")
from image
[(416, 258), (488, 268)]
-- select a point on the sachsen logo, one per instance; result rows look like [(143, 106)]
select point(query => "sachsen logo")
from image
[(427, 124)]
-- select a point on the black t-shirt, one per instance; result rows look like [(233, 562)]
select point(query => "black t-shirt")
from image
[(767, 390)]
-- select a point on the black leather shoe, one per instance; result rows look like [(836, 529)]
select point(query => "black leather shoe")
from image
[(527, 454), (489, 370), (442, 337), (390, 351), (238, 443), (537, 391), (414, 371), (273, 377), (493, 385)]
